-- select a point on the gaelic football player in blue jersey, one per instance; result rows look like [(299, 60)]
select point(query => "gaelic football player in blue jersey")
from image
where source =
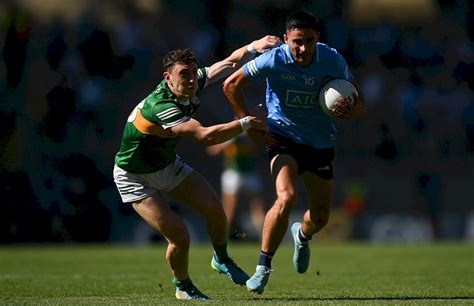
[(301, 137)]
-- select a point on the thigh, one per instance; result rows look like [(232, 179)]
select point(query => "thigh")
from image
[(319, 192), (156, 212), (195, 192), (283, 168)]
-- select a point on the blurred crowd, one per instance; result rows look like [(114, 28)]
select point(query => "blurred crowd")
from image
[(72, 71)]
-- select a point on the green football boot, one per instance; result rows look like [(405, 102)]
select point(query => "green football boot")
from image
[(229, 268), (186, 290)]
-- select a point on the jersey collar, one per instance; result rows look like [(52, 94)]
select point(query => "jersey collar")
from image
[(288, 57)]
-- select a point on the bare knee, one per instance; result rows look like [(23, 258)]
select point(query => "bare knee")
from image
[(286, 201), (177, 236)]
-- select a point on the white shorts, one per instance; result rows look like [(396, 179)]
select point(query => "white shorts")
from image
[(233, 182), (133, 187)]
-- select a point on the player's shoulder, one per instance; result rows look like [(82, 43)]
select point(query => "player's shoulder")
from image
[(202, 72), (327, 53), (283, 54)]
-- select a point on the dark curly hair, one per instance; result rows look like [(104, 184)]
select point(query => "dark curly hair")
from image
[(184, 56)]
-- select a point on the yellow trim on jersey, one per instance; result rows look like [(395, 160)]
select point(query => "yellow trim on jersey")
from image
[(145, 126)]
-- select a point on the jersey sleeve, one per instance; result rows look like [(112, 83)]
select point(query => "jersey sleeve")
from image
[(168, 115), (342, 68), (259, 67), (202, 77)]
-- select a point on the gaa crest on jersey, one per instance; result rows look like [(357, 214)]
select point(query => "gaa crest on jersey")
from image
[(303, 99), (286, 76)]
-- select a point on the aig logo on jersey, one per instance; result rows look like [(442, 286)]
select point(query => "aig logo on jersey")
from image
[(301, 98), (290, 77)]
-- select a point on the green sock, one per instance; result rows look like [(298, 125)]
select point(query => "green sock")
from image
[(182, 284), (220, 252)]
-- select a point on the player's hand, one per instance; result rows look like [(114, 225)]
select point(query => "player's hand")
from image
[(266, 43), (257, 123), (344, 108)]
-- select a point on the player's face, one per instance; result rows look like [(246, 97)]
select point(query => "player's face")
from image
[(302, 44), (182, 80)]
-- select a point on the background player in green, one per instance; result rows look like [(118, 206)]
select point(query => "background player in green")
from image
[(147, 166), (240, 180)]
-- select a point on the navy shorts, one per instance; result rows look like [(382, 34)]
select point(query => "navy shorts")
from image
[(317, 161)]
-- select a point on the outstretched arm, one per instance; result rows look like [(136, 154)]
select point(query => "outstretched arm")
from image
[(240, 56), (218, 133)]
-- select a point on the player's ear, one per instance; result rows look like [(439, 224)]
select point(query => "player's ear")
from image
[(167, 77), (285, 38)]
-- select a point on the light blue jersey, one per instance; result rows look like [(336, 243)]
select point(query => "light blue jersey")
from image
[(292, 95)]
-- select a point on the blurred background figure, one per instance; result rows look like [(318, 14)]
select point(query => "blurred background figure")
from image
[(15, 45), (241, 187)]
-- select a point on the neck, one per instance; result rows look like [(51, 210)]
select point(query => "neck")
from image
[(179, 97), (183, 99), (309, 62)]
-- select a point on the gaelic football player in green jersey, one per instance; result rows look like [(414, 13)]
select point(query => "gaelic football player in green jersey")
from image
[(147, 166)]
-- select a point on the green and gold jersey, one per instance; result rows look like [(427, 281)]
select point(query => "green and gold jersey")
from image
[(142, 153)]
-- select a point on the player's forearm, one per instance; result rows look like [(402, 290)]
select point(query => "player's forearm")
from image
[(238, 104), (359, 107), (219, 133), (227, 66), (359, 110), (240, 56), (236, 98)]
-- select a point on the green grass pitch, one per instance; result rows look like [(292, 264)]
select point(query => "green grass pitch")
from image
[(441, 274)]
